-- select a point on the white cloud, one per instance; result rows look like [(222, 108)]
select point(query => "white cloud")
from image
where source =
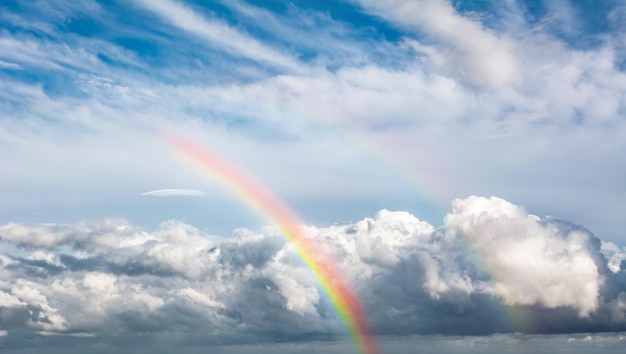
[(334, 43), (48, 318), (199, 297), (32, 236), (532, 262), (562, 123), (463, 46), (615, 255), (7, 65), (218, 32), (9, 300), (418, 114), (411, 277), (174, 193)]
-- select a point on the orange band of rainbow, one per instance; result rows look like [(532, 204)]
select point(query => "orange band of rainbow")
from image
[(343, 300)]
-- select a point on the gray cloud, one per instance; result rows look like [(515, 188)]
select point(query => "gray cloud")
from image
[(491, 268)]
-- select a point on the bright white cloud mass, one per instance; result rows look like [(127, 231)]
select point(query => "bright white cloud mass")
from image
[(491, 268), (461, 161)]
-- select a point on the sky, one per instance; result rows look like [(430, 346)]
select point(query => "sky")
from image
[(460, 162)]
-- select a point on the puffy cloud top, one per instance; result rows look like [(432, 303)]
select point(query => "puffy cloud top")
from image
[(528, 257), (109, 277)]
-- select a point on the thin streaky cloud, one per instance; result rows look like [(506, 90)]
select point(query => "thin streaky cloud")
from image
[(234, 42), (7, 65), (333, 41), (173, 192)]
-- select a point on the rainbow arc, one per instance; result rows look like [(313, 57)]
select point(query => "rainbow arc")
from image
[(337, 291)]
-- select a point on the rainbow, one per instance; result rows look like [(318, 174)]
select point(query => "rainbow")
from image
[(343, 300), (410, 172)]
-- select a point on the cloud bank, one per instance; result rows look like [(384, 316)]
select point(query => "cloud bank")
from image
[(490, 268)]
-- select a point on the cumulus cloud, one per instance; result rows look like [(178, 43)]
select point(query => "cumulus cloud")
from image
[(615, 254), (174, 193), (489, 258), (528, 257)]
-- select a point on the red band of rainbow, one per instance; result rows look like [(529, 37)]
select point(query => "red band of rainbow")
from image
[(343, 300)]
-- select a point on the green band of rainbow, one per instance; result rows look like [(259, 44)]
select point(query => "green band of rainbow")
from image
[(343, 300)]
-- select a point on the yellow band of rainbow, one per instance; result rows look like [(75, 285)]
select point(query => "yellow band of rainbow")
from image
[(343, 300)]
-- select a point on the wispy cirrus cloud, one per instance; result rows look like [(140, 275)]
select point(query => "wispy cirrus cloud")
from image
[(173, 192), (220, 33), (423, 107), (7, 65)]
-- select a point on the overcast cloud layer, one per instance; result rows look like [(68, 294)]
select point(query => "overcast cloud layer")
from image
[(345, 110)]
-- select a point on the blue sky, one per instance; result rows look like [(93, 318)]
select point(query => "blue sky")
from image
[(490, 129)]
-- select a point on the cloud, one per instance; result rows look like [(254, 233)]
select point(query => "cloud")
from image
[(174, 193), (459, 102), (413, 112), (31, 236), (488, 259), (218, 32), (6, 65), (615, 255), (463, 46), (528, 257)]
